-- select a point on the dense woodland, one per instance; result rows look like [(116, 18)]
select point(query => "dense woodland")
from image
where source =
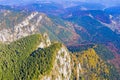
[(22, 60)]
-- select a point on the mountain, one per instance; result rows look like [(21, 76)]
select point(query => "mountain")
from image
[(96, 27), (19, 23), (90, 37), (107, 16), (92, 30), (35, 57)]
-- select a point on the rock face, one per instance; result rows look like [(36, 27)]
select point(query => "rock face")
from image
[(115, 26), (62, 66), (21, 30), (28, 26), (45, 42), (5, 35)]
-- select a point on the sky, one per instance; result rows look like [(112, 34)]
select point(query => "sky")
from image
[(106, 2)]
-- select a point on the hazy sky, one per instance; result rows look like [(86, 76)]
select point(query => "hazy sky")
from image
[(107, 2)]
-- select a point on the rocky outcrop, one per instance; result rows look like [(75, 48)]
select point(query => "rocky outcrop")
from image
[(45, 41), (62, 66), (22, 29)]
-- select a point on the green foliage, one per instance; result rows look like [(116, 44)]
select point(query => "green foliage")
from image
[(13, 54), (25, 46), (40, 62), (19, 60)]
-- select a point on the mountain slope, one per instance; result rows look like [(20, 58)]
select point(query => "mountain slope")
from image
[(16, 24), (13, 55), (28, 59), (92, 30)]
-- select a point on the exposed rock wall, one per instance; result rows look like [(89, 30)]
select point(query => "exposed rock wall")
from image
[(22, 29), (62, 66)]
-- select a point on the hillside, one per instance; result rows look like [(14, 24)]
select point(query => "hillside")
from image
[(34, 57), (16, 24)]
